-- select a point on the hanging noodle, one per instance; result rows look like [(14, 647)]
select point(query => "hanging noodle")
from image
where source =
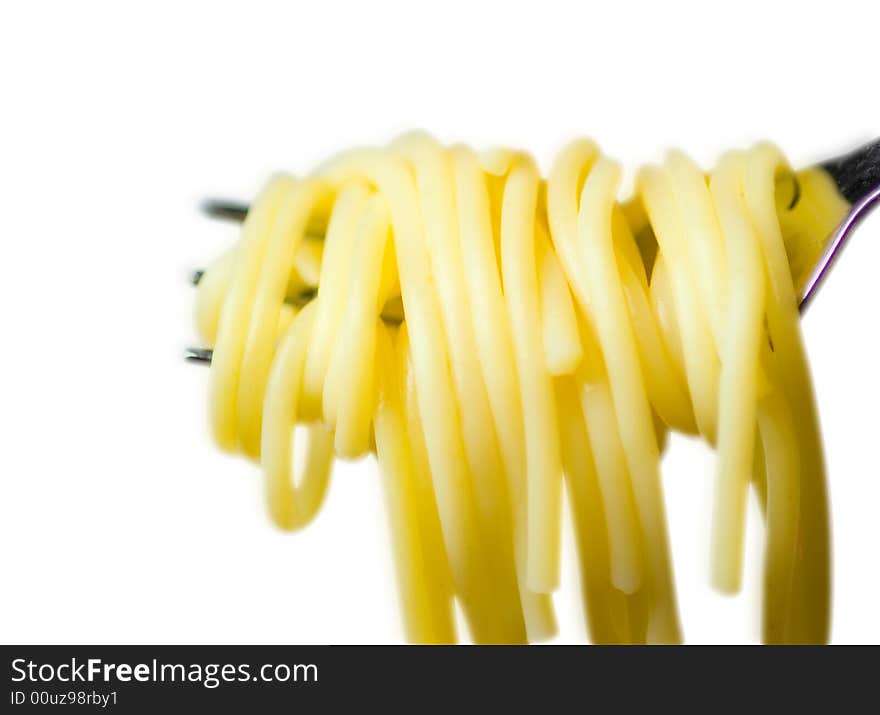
[(486, 332)]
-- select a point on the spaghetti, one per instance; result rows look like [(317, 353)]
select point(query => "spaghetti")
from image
[(496, 338)]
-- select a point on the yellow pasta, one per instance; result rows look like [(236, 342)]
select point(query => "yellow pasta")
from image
[(498, 339)]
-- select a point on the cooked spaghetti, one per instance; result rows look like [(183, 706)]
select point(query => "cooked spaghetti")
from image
[(497, 338)]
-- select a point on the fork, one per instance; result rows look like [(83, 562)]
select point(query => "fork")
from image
[(856, 175)]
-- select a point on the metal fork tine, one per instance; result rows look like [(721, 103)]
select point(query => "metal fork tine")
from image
[(224, 209), (199, 355)]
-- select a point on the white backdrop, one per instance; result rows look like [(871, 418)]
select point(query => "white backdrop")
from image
[(119, 521)]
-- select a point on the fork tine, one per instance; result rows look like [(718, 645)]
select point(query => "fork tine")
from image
[(199, 355), (224, 209)]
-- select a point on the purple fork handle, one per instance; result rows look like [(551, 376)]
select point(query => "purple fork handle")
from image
[(860, 209)]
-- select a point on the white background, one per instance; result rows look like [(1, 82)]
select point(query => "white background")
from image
[(119, 521)]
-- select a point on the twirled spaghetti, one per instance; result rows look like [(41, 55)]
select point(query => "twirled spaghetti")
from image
[(493, 336)]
